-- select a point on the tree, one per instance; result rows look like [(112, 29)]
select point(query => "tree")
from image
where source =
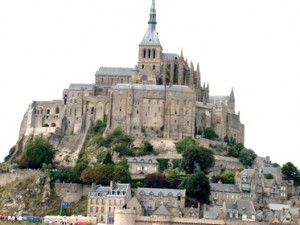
[(121, 148), (148, 148), (184, 144), (291, 172), (121, 174), (227, 177), (108, 159), (155, 180), (189, 159), (174, 179), (100, 174), (11, 152), (197, 186), (37, 152), (197, 156), (247, 156), (206, 159), (209, 133)]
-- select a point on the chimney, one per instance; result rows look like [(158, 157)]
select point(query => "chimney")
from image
[(111, 186)]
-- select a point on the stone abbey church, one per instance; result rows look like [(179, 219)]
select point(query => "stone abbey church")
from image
[(161, 97)]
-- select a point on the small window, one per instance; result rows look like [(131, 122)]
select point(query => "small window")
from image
[(153, 67), (143, 66)]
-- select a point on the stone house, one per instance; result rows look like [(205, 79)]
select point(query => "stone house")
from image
[(276, 191), (139, 167), (220, 193), (250, 183), (152, 198), (246, 210), (103, 200)]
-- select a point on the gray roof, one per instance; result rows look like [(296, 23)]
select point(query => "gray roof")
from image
[(141, 160), (162, 211), (271, 170), (115, 71), (117, 190), (165, 192), (219, 100), (81, 86), (231, 206), (274, 206), (247, 172), (151, 36), (212, 212), (224, 188), (169, 56), (152, 87), (245, 206)]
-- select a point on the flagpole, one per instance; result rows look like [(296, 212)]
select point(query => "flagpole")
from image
[(60, 209)]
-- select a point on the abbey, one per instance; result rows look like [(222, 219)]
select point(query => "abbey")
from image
[(162, 96)]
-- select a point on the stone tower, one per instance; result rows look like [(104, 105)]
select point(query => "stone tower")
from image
[(150, 51)]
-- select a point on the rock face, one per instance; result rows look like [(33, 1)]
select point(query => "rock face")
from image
[(30, 194)]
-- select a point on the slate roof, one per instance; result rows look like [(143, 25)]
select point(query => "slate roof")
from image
[(232, 188), (81, 86), (212, 212), (219, 100), (274, 206), (271, 170), (169, 56), (151, 36), (162, 211), (164, 192), (245, 207), (118, 189), (141, 160), (152, 87), (115, 71)]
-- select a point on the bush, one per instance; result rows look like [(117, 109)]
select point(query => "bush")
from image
[(268, 176), (38, 151), (209, 133), (185, 143)]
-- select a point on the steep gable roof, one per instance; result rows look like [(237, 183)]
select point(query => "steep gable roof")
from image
[(162, 211), (224, 188)]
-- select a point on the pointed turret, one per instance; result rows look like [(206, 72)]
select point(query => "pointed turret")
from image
[(152, 15), (231, 101), (181, 53), (151, 36)]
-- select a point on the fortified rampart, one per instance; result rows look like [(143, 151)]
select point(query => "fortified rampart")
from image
[(6, 178), (126, 217), (71, 192)]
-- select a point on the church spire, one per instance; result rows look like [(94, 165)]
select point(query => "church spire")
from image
[(152, 15), (151, 36)]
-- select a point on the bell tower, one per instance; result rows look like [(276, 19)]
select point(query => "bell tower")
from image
[(150, 49)]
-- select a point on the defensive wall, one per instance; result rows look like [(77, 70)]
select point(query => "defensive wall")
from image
[(72, 192), (6, 178), (127, 217)]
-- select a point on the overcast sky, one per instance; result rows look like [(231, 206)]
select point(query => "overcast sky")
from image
[(251, 46)]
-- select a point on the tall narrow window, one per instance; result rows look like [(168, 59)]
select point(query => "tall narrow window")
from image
[(149, 53), (153, 53), (144, 54), (153, 67)]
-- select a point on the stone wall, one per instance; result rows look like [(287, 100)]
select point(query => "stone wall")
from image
[(6, 178), (125, 217), (72, 192)]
